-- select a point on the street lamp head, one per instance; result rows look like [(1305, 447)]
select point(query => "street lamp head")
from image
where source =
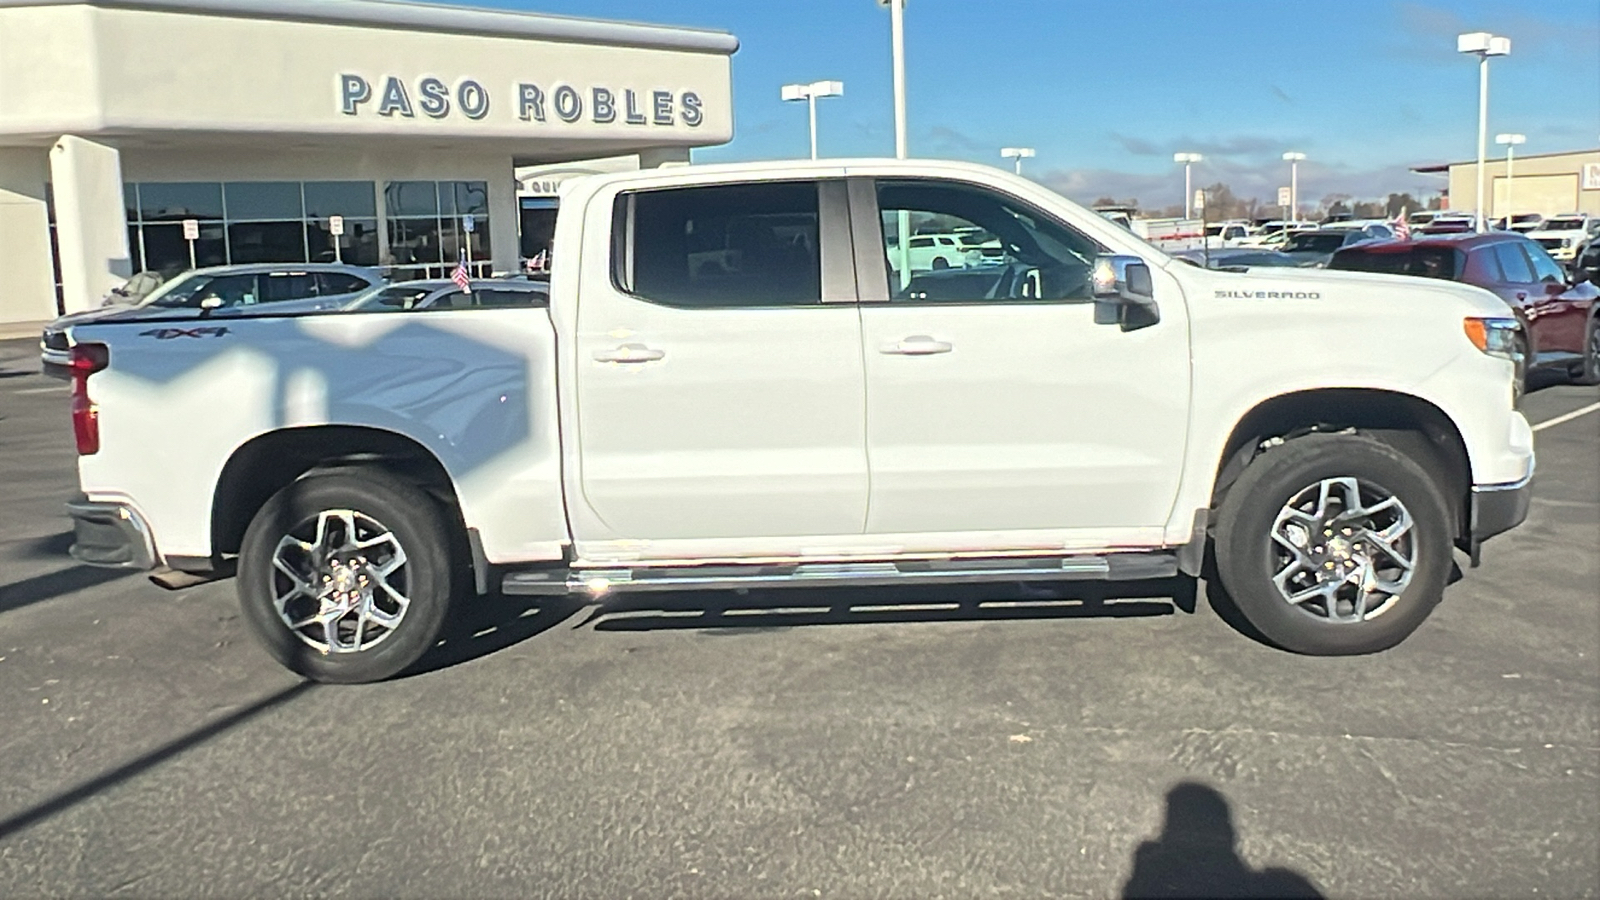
[(1510, 138), (1483, 43), (1186, 157), (1017, 152), (1293, 156), (814, 89)]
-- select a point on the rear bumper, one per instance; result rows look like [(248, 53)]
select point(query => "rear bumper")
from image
[(1498, 508), (111, 535)]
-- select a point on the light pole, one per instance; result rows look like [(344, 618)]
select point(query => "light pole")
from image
[(1017, 153), (1187, 159), (810, 93), (1510, 141), (897, 19), (1483, 45), (1293, 158)]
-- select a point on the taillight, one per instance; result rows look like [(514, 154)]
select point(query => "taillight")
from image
[(87, 359)]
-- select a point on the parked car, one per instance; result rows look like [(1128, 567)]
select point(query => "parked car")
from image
[(1587, 266), (1559, 315), (1377, 229), (446, 294), (933, 251), (1448, 224), (1090, 408), (1236, 258), (1521, 222), (1227, 234), (1313, 249), (220, 291), (1566, 236)]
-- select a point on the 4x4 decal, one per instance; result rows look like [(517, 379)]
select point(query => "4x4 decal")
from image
[(167, 334)]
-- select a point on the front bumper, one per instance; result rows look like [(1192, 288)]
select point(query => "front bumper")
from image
[(1497, 508), (111, 535)]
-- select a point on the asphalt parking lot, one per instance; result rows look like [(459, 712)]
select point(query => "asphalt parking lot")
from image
[(930, 743)]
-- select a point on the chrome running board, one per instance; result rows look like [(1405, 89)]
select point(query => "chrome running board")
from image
[(604, 580)]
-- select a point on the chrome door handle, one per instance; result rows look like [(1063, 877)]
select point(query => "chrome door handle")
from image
[(629, 353), (917, 345)]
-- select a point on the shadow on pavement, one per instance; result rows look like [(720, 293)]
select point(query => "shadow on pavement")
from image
[(1196, 855), (480, 626), (71, 797), (55, 584), (730, 611)]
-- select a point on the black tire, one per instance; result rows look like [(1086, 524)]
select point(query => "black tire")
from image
[(431, 574), (940, 262), (1519, 379), (1588, 371), (1246, 555)]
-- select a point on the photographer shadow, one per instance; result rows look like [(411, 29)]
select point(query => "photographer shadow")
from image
[(1196, 855)]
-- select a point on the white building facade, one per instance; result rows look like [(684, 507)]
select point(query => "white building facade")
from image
[(256, 122)]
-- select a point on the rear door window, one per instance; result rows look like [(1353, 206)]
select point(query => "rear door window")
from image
[(288, 286), (232, 290), (721, 246)]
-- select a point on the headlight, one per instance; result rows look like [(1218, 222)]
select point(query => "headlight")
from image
[(1496, 337)]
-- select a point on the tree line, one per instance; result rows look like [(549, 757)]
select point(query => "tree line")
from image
[(1223, 204)]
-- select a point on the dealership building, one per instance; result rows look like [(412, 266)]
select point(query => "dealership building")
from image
[(1550, 184), (143, 134)]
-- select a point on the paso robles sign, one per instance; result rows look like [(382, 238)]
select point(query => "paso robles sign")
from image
[(394, 97)]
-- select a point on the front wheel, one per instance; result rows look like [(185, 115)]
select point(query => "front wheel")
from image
[(346, 577), (1334, 545), (1589, 370)]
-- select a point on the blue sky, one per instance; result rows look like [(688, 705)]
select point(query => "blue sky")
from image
[(1108, 90)]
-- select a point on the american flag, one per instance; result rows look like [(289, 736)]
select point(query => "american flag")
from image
[(460, 275), (1402, 231)]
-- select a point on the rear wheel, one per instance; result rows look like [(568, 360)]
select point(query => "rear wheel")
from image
[(940, 262), (1334, 544), (347, 577)]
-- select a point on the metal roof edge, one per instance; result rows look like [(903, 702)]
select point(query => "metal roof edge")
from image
[(436, 17)]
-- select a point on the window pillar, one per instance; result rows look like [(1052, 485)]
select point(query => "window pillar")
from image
[(91, 226)]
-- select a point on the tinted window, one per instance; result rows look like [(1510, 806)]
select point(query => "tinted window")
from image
[(1426, 262), (411, 198), (1323, 242), (1514, 264), (232, 290), (180, 200), (1039, 259), (340, 198), (263, 200), (743, 245), (922, 242), (329, 283), (500, 298), (1544, 268), (296, 286)]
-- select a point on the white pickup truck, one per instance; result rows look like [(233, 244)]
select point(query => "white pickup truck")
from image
[(731, 388)]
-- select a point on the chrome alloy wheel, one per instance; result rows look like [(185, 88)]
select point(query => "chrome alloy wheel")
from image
[(1343, 550), (339, 581)]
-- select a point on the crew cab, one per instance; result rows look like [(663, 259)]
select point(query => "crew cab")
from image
[(795, 412), (1564, 237)]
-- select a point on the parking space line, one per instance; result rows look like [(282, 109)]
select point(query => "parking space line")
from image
[(42, 390), (1567, 418)]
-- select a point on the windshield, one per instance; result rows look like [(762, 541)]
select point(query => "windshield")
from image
[(1314, 243), (1562, 225), (1426, 262)]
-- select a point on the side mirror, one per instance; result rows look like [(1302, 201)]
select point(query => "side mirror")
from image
[(210, 304), (1124, 292)]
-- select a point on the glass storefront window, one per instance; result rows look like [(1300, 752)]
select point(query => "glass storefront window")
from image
[(358, 246), (351, 199), (176, 201), (263, 200), (249, 222), (426, 227), (258, 242)]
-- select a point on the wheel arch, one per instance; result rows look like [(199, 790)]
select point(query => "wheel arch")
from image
[(1414, 426), (270, 462)]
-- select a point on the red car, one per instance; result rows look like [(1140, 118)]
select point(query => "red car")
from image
[(1560, 316)]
